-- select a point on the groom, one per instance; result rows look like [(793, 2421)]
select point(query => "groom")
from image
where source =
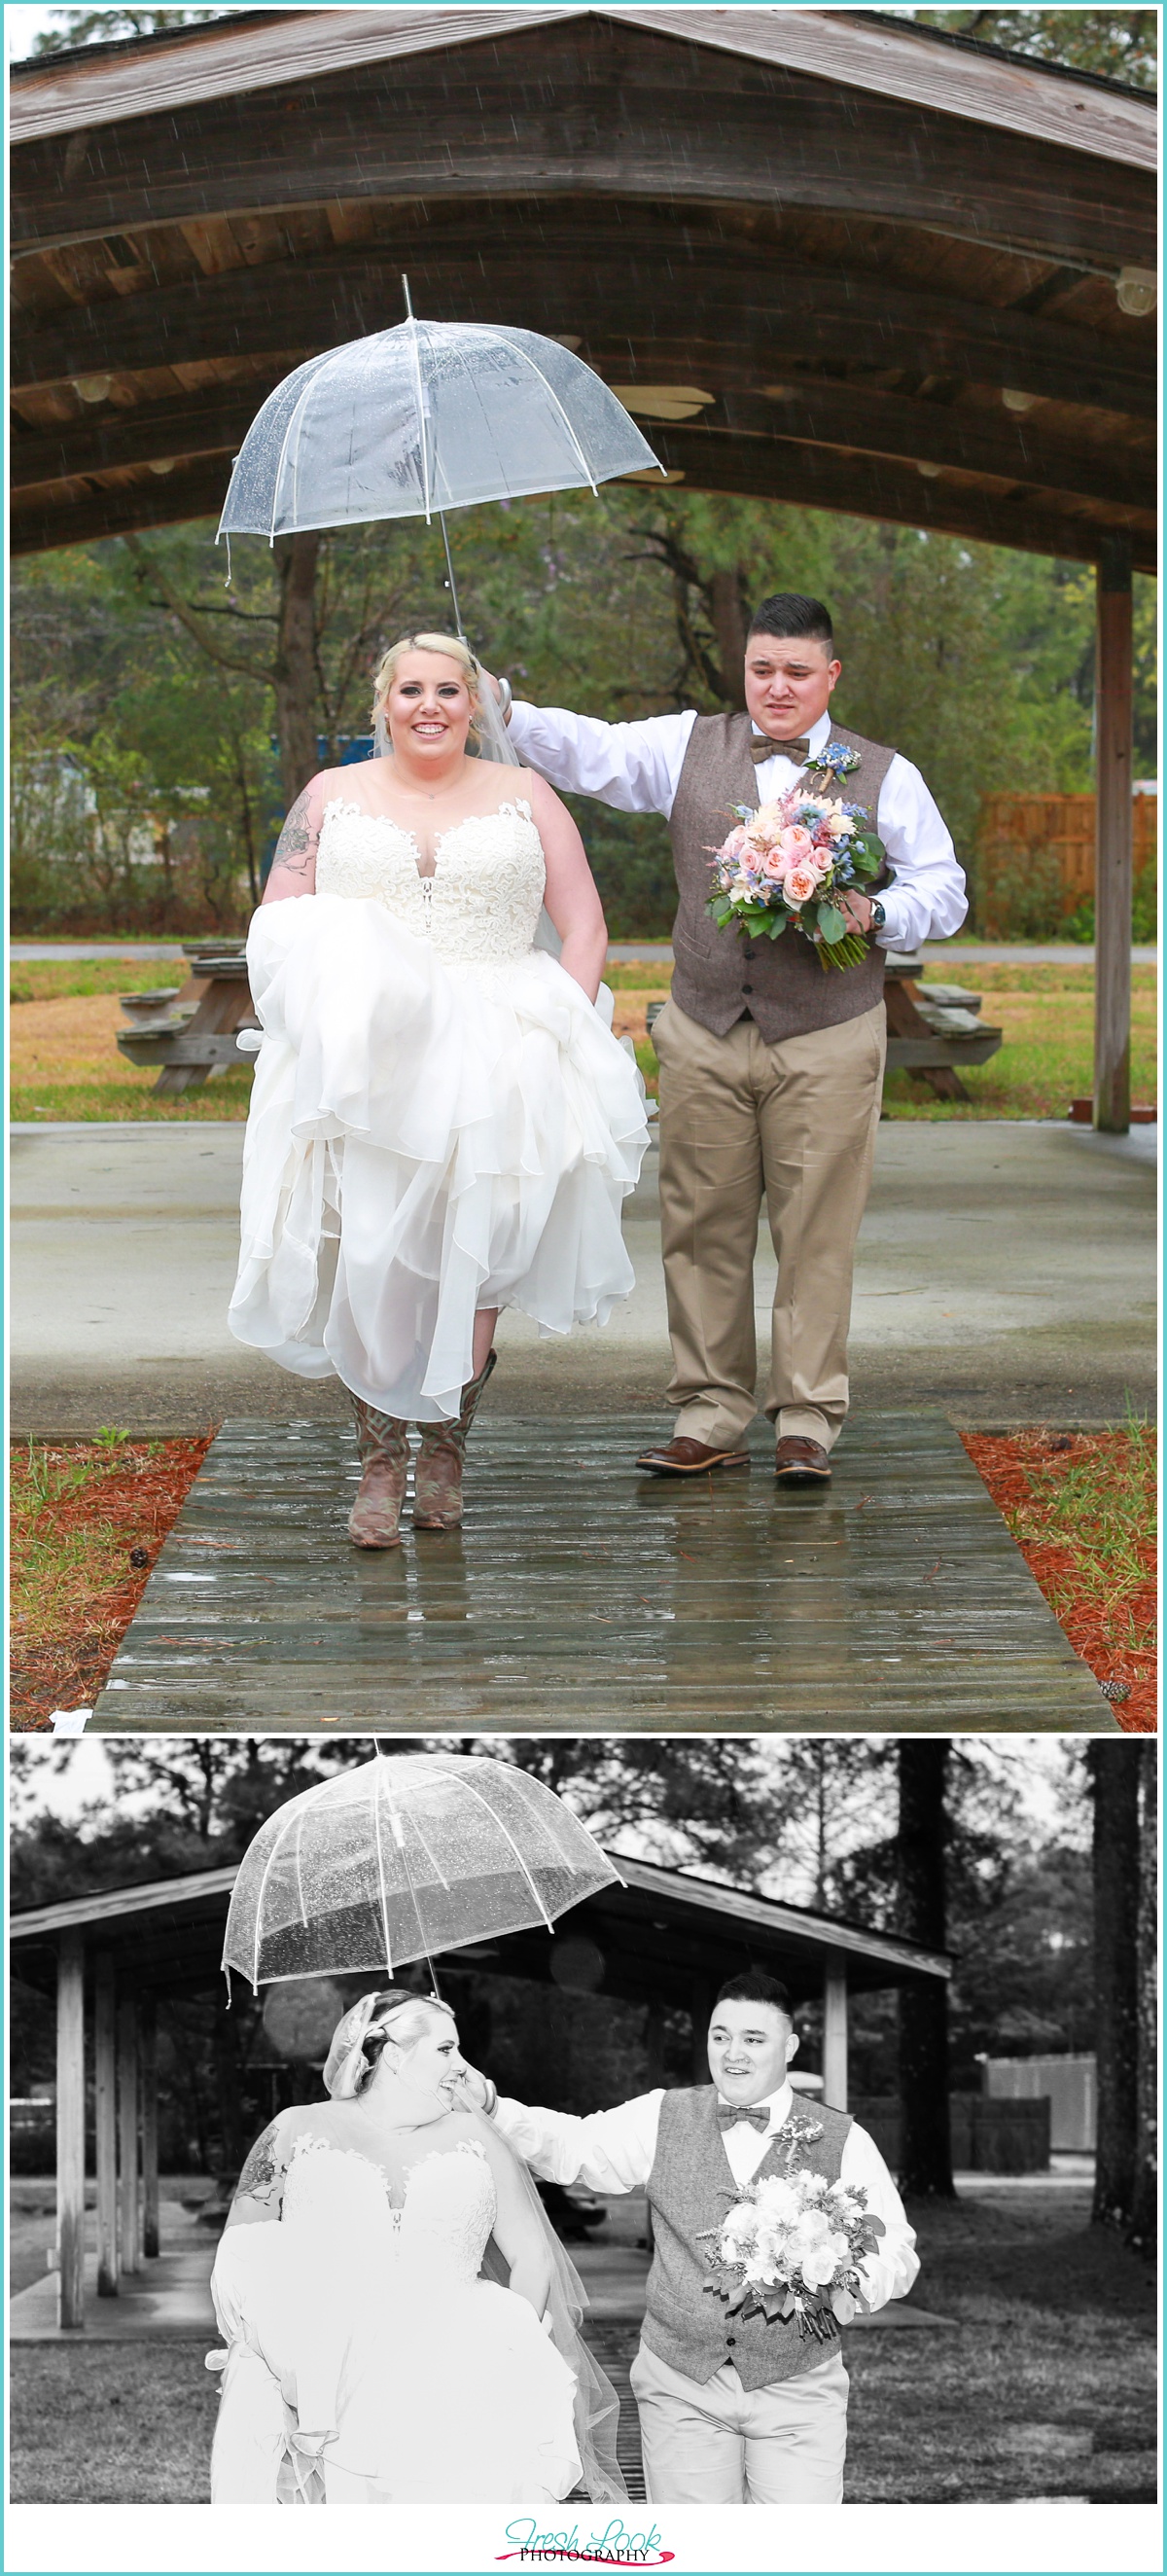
[(730, 2412), (770, 1069)]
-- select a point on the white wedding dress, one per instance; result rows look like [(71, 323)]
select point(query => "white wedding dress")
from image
[(367, 2361), (440, 1119)]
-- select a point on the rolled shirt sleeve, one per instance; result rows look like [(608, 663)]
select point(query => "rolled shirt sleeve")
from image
[(928, 899), (889, 2274), (636, 767), (609, 2150)]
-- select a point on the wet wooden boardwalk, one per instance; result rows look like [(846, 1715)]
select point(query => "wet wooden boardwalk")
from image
[(582, 1595)]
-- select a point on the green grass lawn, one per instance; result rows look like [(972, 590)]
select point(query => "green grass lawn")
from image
[(65, 1063), (1044, 2384)]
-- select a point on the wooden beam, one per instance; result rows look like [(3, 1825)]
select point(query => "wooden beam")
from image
[(129, 2205), (875, 423), (211, 422), (835, 2037), (765, 469), (876, 488), (71, 2129), (1114, 716), (709, 295), (105, 2102), (583, 104), (148, 2061), (862, 417)]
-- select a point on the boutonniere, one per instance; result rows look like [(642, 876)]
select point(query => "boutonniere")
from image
[(838, 759), (796, 2134)]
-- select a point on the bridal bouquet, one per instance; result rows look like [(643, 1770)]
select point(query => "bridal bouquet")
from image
[(790, 2247), (790, 860)]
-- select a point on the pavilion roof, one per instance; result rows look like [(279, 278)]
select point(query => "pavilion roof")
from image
[(849, 238), (655, 1934)]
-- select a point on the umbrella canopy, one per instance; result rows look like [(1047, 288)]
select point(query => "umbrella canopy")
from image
[(428, 417), (407, 1856)]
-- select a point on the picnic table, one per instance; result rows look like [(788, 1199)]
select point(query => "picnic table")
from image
[(190, 1032), (933, 1029)]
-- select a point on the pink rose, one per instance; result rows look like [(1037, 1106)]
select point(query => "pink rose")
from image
[(795, 842), (775, 865), (736, 841), (801, 883)]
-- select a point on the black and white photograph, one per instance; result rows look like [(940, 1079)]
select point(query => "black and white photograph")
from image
[(733, 2123), (583, 1807)]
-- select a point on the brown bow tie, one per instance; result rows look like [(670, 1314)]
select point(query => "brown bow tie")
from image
[(729, 2113), (761, 748)]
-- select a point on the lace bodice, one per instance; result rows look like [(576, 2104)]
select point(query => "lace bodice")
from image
[(482, 902), (442, 2226)]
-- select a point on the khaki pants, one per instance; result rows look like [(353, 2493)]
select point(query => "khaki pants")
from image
[(794, 1124), (720, 2443)]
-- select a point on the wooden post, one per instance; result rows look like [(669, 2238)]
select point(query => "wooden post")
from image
[(130, 2229), (105, 2090), (835, 2037), (1114, 720), (71, 2128), (700, 2007), (149, 2075)]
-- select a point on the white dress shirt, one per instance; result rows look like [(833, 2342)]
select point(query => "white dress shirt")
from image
[(615, 2151), (637, 767)]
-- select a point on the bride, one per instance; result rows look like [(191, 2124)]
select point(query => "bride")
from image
[(441, 1122), (367, 2360)]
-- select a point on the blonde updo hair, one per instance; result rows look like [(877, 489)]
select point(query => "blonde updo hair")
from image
[(406, 2014), (455, 650)]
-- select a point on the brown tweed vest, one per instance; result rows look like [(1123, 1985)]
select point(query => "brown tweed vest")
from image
[(691, 2187), (720, 975)]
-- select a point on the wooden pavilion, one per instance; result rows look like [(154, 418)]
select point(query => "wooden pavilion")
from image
[(833, 258), (661, 1939)]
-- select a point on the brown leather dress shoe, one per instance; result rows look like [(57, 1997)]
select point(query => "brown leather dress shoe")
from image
[(801, 1462), (690, 1458)]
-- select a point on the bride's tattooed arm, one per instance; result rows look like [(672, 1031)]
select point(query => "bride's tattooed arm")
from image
[(259, 2191), (293, 867)]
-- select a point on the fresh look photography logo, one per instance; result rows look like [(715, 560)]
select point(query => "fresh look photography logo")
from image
[(613, 2547)]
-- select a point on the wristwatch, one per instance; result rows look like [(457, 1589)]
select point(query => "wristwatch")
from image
[(878, 915)]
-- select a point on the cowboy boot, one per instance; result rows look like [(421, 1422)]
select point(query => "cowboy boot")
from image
[(437, 1496), (383, 1447)]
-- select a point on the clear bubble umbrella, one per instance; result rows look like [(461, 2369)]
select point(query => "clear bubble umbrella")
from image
[(405, 1857), (428, 417)]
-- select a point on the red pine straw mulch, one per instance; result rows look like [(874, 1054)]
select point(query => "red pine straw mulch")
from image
[(76, 1516), (1080, 1506)]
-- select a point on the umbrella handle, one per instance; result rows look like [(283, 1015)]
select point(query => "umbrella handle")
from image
[(458, 626)]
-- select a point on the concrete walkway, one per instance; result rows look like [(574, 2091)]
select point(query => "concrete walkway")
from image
[(1006, 1272), (171, 2299)]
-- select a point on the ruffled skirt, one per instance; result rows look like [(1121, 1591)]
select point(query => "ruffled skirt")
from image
[(426, 1137), (404, 2386)]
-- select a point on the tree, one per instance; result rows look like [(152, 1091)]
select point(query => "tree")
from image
[(926, 2152), (1114, 1772), (1114, 44), (1144, 2207), (76, 27)]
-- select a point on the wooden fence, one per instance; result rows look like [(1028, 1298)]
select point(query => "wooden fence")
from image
[(988, 2136), (1052, 838)]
